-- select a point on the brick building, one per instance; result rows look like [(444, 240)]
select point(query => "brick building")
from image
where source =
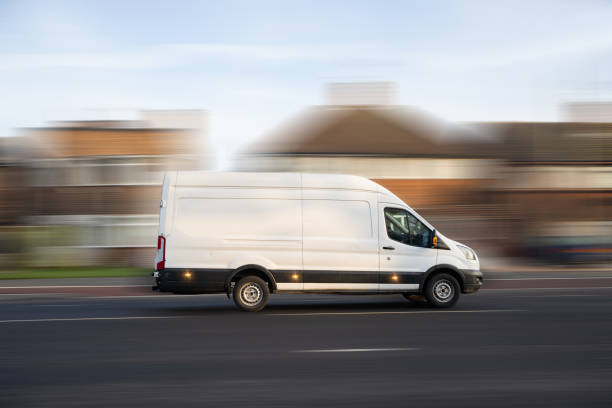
[(505, 188), (558, 180), (94, 186)]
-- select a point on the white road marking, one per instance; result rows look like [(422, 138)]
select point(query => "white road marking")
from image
[(556, 296), (71, 305), (158, 296), (549, 278), (574, 288), (75, 319), (398, 312), (73, 286), (357, 350), (54, 294)]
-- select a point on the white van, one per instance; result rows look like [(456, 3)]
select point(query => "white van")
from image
[(252, 234)]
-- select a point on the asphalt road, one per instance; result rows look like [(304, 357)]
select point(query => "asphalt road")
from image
[(535, 347)]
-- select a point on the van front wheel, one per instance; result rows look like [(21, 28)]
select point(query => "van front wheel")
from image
[(442, 290), (251, 294)]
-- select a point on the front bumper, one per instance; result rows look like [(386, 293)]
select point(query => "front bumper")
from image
[(472, 280)]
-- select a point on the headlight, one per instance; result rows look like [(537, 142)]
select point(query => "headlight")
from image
[(469, 254)]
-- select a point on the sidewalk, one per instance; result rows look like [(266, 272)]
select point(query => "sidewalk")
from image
[(499, 265), (87, 287)]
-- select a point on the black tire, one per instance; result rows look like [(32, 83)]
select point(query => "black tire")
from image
[(251, 294), (442, 290)]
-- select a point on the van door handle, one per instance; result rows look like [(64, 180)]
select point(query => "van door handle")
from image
[(389, 248)]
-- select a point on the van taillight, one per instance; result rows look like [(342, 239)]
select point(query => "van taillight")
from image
[(161, 245)]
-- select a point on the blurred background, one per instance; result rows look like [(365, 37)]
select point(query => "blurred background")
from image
[(494, 121)]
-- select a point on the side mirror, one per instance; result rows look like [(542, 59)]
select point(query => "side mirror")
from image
[(434, 239)]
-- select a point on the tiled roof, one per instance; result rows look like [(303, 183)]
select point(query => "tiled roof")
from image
[(372, 130)]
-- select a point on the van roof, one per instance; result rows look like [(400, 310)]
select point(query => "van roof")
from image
[(280, 180)]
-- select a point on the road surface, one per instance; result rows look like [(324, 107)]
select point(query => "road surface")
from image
[(518, 347)]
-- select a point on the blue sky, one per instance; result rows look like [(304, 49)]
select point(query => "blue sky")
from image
[(254, 64)]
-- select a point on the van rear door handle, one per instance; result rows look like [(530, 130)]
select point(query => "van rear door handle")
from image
[(389, 248)]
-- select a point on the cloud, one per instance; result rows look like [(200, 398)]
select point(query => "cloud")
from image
[(171, 55), (123, 61), (176, 55), (523, 54)]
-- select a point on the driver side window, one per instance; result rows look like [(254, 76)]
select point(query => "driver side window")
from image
[(406, 228)]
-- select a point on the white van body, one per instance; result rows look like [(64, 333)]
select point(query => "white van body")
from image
[(300, 233)]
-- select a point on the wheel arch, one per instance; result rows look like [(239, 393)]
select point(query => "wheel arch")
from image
[(443, 268), (250, 269)]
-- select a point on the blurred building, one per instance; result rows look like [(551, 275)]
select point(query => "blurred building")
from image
[(533, 189), (558, 182), (94, 186), (376, 93), (598, 112), (440, 169), (87, 192), (13, 195), (12, 182)]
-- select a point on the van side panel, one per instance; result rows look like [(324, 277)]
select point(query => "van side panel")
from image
[(219, 229), (340, 239)]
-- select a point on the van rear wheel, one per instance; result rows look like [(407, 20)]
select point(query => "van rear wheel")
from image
[(442, 290), (251, 294)]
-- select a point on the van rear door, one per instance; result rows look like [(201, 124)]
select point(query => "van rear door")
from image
[(162, 231)]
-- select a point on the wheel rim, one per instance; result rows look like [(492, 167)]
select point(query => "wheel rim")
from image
[(251, 294), (444, 291)]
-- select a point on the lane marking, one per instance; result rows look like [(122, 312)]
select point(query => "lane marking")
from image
[(357, 350), (556, 296), (159, 296), (110, 297), (398, 312), (37, 294), (549, 278), (71, 305), (574, 288), (73, 286), (75, 319)]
